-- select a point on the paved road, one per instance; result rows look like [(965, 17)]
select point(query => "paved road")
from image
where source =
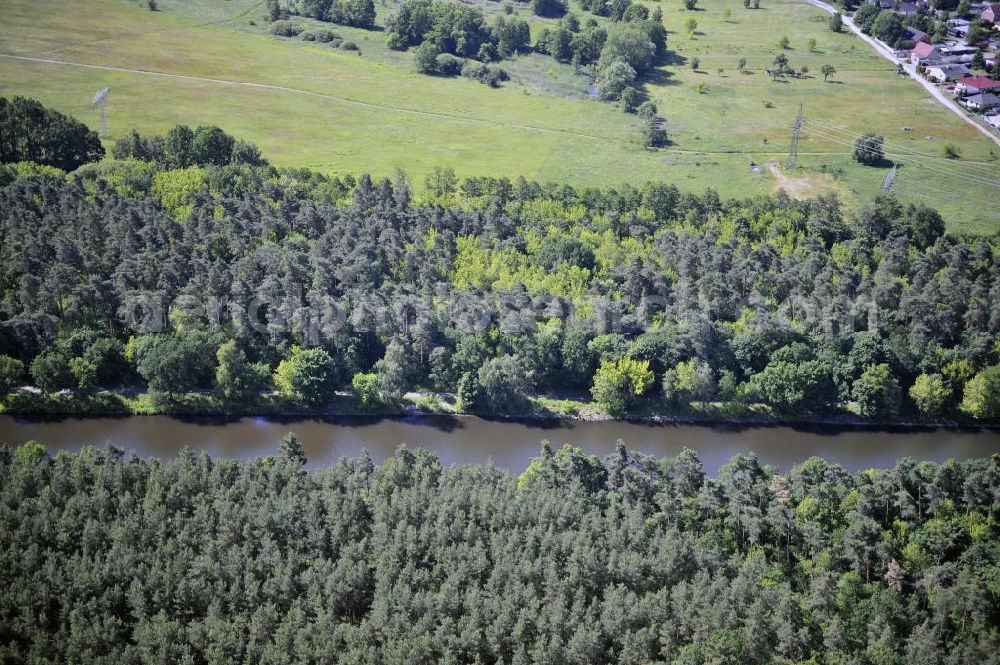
[(910, 69)]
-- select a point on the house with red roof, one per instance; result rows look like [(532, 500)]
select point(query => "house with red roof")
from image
[(924, 53), (973, 85)]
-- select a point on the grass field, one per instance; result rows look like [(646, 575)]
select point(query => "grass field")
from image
[(340, 112)]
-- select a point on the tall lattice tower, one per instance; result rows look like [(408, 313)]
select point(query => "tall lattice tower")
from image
[(889, 177), (793, 153), (100, 102)]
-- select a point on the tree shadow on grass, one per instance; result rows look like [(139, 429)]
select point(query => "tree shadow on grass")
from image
[(660, 77), (672, 59)]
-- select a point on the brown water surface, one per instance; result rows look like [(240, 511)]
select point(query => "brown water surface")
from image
[(510, 444)]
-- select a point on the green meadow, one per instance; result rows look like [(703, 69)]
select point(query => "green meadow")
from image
[(305, 104)]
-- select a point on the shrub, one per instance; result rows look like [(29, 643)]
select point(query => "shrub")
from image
[(425, 57), (309, 374), (503, 386), (449, 65), (324, 36), (868, 149), (982, 395), (396, 42), (285, 29), (617, 385), (495, 76), (473, 69), (630, 99), (469, 392), (877, 393), (349, 46), (366, 389), (930, 394), (11, 373), (653, 135), (491, 75), (614, 78), (487, 52)]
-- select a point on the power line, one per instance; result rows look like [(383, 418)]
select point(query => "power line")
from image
[(889, 177), (793, 154), (100, 101), (913, 157), (905, 186), (937, 169), (897, 146), (984, 169), (941, 165), (972, 180)]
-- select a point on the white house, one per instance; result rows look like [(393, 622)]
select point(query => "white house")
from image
[(982, 101), (945, 73)]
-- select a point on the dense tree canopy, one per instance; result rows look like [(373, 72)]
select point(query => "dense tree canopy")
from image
[(630, 559), (781, 302), (30, 132), (183, 147), (357, 13)]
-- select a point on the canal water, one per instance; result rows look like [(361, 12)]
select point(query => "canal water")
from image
[(510, 444)]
